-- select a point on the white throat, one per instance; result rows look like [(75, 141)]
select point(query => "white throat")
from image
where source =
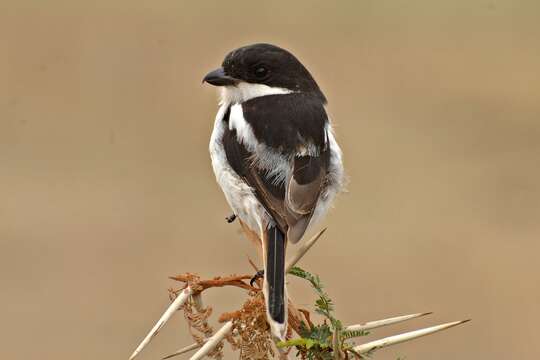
[(244, 91)]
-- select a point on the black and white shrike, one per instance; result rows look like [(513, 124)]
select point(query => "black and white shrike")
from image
[(274, 155)]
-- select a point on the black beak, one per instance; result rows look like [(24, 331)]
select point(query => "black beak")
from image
[(218, 78)]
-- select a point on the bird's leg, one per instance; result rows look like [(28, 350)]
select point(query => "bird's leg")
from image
[(231, 218), (258, 275)]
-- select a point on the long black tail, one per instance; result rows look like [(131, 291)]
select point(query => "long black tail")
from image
[(275, 274)]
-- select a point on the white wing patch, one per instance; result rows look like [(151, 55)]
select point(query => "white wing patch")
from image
[(276, 166)]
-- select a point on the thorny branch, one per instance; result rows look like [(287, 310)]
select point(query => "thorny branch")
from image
[(247, 331)]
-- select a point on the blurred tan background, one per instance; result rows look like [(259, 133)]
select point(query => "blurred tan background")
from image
[(106, 186)]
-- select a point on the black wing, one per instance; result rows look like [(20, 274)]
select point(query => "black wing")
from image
[(285, 123)]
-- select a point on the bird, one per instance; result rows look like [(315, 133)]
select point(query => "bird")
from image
[(274, 155)]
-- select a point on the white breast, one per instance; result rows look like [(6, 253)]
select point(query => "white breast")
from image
[(239, 195)]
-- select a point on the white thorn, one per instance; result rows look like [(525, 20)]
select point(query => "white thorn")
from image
[(213, 341), (199, 305), (385, 322), (396, 339), (302, 250), (183, 350), (175, 305)]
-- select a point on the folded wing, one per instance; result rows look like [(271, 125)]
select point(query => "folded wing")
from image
[(291, 201)]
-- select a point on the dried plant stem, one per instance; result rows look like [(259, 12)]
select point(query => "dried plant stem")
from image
[(233, 280), (197, 301)]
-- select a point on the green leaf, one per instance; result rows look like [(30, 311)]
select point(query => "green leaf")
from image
[(353, 333), (310, 343), (291, 343), (296, 271)]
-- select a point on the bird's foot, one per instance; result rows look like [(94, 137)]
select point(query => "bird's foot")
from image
[(231, 218), (258, 275)]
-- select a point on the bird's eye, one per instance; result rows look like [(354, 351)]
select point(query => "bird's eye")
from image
[(261, 72)]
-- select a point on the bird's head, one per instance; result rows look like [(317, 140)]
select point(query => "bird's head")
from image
[(263, 69)]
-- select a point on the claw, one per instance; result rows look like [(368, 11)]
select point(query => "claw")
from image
[(396, 339), (258, 275), (231, 218)]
